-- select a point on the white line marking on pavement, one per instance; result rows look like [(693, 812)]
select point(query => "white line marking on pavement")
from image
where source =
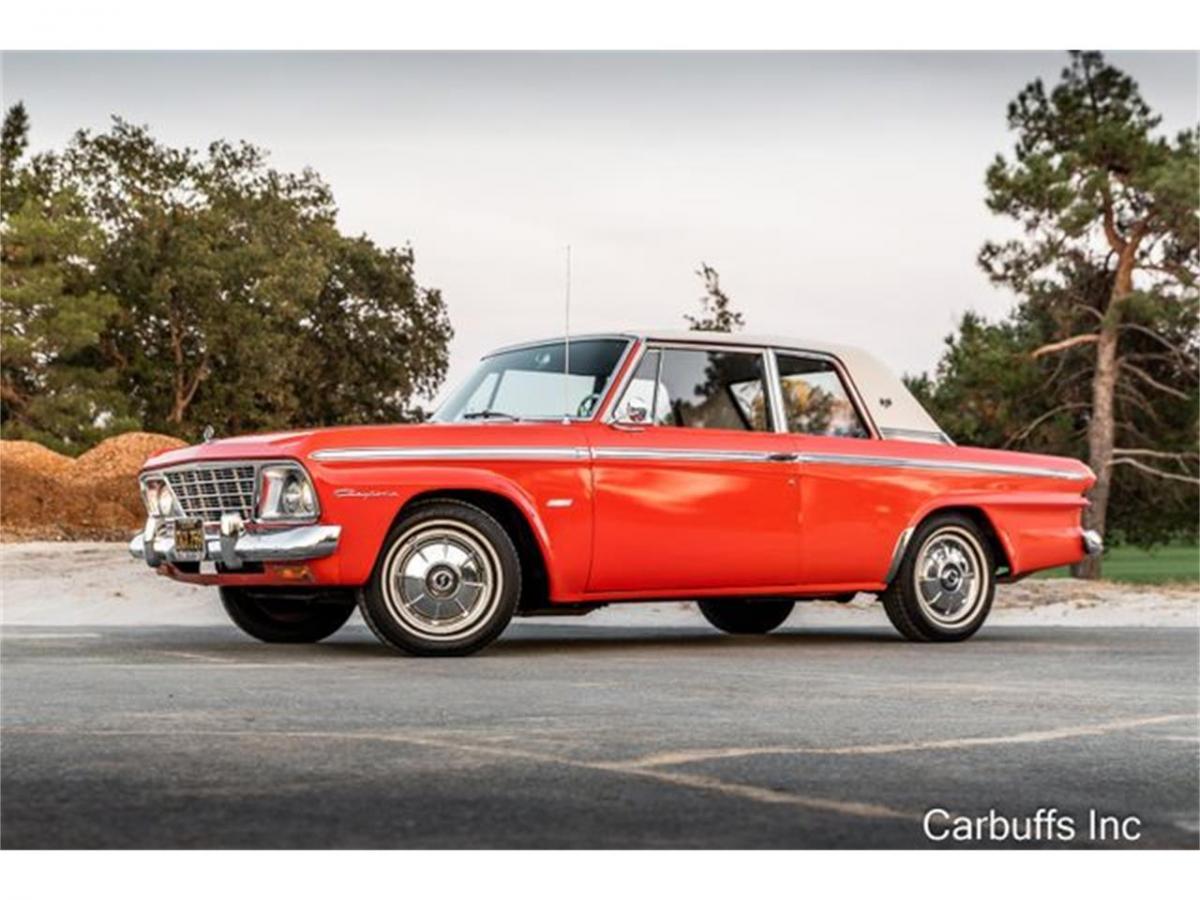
[(46, 635), (206, 660), (762, 794), (680, 757), (650, 766), (202, 657), (681, 779)]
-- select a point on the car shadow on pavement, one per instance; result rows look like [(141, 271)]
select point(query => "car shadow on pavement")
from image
[(218, 644)]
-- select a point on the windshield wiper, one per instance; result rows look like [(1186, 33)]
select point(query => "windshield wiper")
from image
[(489, 414)]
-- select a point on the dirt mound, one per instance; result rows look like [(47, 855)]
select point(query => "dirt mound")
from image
[(47, 496), (27, 454)]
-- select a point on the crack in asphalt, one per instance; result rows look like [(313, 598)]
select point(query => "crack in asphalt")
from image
[(681, 757), (653, 766)]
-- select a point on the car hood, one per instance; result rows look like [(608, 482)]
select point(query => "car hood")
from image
[(300, 445)]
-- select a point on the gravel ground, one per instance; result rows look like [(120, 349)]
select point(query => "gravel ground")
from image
[(48, 583)]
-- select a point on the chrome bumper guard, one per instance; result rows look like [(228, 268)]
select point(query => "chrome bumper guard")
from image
[(233, 545), (1093, 544)]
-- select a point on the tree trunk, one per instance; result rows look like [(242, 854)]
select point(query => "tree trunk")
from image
[(1101, 428), (1102, 425)]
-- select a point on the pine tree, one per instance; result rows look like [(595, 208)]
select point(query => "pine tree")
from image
[(1095, 187), (715, 314), (54, 385)]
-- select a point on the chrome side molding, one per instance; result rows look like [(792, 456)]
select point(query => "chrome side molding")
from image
[(364, 454), (470, 453), (940, 465)]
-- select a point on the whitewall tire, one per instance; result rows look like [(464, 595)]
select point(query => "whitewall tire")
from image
[(446, 582)]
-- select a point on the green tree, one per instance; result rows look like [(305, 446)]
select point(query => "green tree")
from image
[(1096, 189), (14, 140), (715, 311), (53, 385), (212, 256), (227, 270), (372, 341), (990, 389)]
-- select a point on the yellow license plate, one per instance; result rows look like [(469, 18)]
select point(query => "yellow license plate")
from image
[(189, 539)]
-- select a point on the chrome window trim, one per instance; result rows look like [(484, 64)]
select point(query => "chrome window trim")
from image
[(918, 435), (629, 337), (622, 386), (775, 392)]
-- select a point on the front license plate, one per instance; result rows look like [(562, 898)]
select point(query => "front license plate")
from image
[(189, 540)]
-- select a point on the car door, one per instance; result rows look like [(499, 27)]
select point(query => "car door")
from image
[(848, 513), (694, 489)]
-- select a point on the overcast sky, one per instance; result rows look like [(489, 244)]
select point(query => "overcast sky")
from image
[(839, 195)]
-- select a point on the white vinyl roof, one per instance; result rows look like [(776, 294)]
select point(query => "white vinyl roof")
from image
[(895, 411)]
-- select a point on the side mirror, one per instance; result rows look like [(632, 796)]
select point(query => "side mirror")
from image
[(635, 414)]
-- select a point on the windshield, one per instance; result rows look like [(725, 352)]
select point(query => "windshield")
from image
[(529, 383)]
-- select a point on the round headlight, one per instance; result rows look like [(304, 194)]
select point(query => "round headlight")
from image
[(165, 501), (307, 501), (293, 496)]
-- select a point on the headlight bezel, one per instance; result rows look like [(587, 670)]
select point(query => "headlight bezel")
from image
[(286, 494)]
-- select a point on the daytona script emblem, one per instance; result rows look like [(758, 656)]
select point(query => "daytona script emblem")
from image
[(357, 494)]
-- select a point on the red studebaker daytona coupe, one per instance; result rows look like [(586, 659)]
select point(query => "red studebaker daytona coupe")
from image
[(742, 473)]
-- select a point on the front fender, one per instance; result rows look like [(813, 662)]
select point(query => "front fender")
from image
[(366, 497)]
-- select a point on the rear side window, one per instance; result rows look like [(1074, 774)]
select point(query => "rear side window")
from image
[(705, 389), (815, 399)]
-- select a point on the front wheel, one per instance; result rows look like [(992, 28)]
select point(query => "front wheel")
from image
[(446, 583), (944, 589), (746, 616), (280, 617)]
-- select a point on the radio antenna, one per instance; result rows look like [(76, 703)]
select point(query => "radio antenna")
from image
[(567, 347)]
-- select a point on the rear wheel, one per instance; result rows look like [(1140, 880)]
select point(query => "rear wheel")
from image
[(287, 617), (746, 616), (944, 589), (446, 583)]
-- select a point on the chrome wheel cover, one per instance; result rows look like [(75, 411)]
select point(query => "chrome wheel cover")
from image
[(950, 577), (442, 579)]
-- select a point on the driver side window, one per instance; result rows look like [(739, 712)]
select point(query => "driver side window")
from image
[(687, 388)]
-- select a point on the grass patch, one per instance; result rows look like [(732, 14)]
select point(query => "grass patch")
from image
[(1172, 563)]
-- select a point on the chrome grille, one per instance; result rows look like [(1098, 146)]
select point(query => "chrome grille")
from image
[(205, 492)]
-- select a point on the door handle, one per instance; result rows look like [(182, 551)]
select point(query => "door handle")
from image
[(783, 457)]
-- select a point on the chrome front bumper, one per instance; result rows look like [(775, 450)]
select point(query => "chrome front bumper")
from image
[(1093, 544), (233, 546)]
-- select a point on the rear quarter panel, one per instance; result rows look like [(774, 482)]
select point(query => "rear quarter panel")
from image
[(854, 510)]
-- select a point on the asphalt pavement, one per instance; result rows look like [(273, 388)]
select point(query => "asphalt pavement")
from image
[(573, 735)]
